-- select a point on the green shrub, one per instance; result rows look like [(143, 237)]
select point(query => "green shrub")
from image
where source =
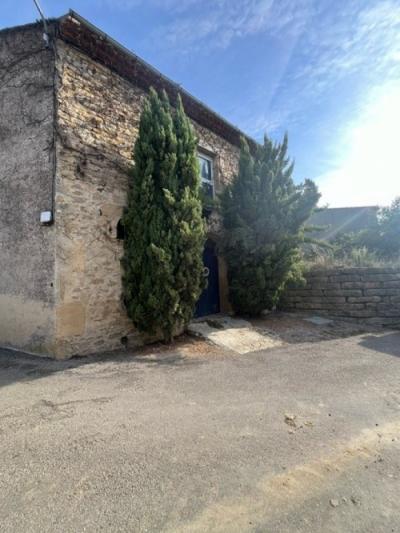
[(384, 237), (264, 214), (377, 245)]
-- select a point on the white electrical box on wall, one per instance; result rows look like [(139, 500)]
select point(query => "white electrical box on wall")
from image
[(46, 217)]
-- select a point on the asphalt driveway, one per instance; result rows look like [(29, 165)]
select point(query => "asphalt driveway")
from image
[(302, 438)]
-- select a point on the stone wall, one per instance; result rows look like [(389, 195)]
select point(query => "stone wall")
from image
[(26, 189), (98, 118), (370, 295)]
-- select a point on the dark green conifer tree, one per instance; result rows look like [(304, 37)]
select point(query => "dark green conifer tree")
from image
[(161, 281), (264, 215), (190, 228)]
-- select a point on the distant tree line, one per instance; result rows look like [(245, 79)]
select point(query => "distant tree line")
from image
[(380, 240)]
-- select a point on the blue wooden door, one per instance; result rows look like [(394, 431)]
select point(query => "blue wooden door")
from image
[(208, 303)]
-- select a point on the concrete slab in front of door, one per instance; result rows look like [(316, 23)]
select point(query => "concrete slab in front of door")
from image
[(233, 334)]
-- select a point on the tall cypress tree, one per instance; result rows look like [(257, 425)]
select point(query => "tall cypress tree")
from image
[(164, 233), (190, 228), (264, 214)]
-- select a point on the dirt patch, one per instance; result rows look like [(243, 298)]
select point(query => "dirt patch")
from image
[(186, 346)]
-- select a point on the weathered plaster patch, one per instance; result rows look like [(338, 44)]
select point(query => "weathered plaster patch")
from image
[(70, 319), (26, 324)]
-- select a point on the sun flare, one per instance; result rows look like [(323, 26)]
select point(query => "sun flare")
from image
[(370, 171)]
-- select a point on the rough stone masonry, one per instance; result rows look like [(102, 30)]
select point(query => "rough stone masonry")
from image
[(69, 117), (370, 295)]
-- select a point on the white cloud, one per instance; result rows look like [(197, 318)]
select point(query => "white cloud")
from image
[(364, 38), (369, 173), (122, 5), (216, 23), (361, 40)]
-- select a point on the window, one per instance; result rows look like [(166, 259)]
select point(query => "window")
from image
[(206, 174)]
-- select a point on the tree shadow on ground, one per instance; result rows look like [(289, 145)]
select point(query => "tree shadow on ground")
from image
[(388, 343), (18, 366)]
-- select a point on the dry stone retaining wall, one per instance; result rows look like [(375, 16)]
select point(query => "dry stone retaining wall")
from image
[(369, 295)]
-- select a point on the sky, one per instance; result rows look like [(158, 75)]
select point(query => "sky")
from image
[(325, 71)]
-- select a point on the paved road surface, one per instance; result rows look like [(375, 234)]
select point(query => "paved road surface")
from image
[(169, 443)]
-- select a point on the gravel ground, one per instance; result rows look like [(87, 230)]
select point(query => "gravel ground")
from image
[(300, 438)]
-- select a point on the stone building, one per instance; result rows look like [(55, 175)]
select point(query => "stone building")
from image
[(69, 115)]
